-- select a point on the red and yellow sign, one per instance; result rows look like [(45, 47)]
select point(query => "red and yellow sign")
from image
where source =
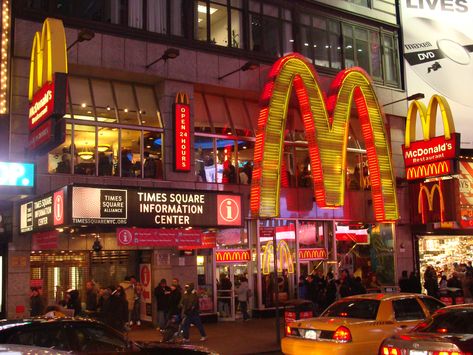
[(423, 171), (231, 256), (432, 202), (182, 133), (313, 254), (326, 124), (432, 156)]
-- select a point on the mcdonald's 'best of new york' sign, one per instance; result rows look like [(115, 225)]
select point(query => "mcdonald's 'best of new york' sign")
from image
[(48, 82), (326, 123), (434, 155)]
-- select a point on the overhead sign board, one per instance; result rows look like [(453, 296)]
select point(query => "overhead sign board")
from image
[(17, 174), (158, 237), (143, 208), (434, 155), (44, 213)]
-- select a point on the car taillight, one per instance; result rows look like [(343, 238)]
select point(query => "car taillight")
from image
[(448, 353), (342, 334), (385, 350), (292, 331), (288, 330)]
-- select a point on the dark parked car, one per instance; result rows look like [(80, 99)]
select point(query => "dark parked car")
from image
[(448, 332), (83, 336)]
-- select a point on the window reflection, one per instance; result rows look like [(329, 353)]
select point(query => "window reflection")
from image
[(204, 159), (130, 153), (104, 102), (127, 109), (153, 163), (245, 161), (59, 159), (226, 170), (81, 99)]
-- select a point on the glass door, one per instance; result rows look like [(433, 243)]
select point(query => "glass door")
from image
[(229, 277)]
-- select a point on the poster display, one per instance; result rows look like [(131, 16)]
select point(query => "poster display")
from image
[(438, 40)]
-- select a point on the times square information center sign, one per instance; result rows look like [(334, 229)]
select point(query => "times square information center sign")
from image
[(86, 205)]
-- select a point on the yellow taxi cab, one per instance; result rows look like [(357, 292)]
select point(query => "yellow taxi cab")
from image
[(357, 325)]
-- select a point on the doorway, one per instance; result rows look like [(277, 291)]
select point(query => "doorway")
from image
[(228, 278)]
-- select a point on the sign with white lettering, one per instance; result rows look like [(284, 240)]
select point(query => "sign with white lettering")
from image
[(158, 237), (43, 213), (182, 133)]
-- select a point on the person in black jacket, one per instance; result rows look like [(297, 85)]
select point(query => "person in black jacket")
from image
[(91, 298), (162, 293), (174, 300), (404, 282), (36, 303), (73, 302), (119, 309)]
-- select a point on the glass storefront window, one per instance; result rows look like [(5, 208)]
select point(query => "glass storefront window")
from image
[(286, 261), (236, 31), (232, 238), (390, 61), (303, 174), (127, 110), (361, 45), (148, 107), (204, 159), (59, 159), (84, 152), (108, 151), (218, 24), (81, 99), (226, 157), (153, 162), (104, 102), (311, 234), (245, 161), (130, 153), (375, 54)]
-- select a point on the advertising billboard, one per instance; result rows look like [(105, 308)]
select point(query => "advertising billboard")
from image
[(16, 174), (437, 45)]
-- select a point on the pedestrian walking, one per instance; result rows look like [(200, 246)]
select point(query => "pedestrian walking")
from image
[(36, 303), (119, 309), (128, 286), (243, 293), (190, 310), (90, 298), (136, 316), (162, 293)]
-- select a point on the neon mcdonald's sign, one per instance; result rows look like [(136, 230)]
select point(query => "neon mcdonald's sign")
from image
[(326, 128), (283, 254), (430, 200), (229, 256), (432, 156)]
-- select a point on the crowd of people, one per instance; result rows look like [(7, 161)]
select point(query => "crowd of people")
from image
[(119, 307), (458, 283)]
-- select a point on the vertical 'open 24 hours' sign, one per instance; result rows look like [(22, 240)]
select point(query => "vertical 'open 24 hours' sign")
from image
[(182, 144)]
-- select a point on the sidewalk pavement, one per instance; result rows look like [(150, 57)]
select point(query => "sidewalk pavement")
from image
[(256, 336)]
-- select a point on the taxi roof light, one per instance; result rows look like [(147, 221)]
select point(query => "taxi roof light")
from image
[(342, 334)]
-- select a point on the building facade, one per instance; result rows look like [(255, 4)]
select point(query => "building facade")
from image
[(119, 134)]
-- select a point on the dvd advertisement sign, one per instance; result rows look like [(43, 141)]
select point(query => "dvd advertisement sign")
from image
[(438, 40)]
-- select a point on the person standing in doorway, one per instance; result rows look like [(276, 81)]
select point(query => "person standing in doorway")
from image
[(36, 303), (90, 298), (190, 310), (243, 293), (162, 293)]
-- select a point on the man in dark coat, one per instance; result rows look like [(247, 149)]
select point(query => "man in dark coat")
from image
[(190, 310), (36, 303), (162, 293), (91, 297)]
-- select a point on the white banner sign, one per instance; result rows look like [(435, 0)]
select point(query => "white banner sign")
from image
[(438, 40)]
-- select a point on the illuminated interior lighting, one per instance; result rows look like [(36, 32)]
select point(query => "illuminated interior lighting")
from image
[(349, 46), (83, 105), (291, 41), (203, 9), (306, 44), (103, 148), (360, 50), (148, 146), (200, 20), (126, 110), (108, 108)]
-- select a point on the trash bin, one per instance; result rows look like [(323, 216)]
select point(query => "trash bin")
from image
[(297, 309)]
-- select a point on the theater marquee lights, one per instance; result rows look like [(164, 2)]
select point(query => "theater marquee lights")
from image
[(432, 156), (326, 128)]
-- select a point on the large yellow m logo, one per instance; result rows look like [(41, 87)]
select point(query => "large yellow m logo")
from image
[(326, 128), (430, 200), (428, 116), (48, 55)]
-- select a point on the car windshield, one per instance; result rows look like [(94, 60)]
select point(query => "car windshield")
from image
[(458, 321), (364, 309)]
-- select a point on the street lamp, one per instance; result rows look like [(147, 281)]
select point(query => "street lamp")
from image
[(83, 35), (416, 96), (247, 66), (169, 53)]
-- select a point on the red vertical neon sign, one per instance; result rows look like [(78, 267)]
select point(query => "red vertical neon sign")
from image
[(182, 143)]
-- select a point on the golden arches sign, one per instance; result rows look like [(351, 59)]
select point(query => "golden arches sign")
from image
[(326, 128), (283, 254), (428, 117), (430, 194), (48, 55), (431, 169)]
